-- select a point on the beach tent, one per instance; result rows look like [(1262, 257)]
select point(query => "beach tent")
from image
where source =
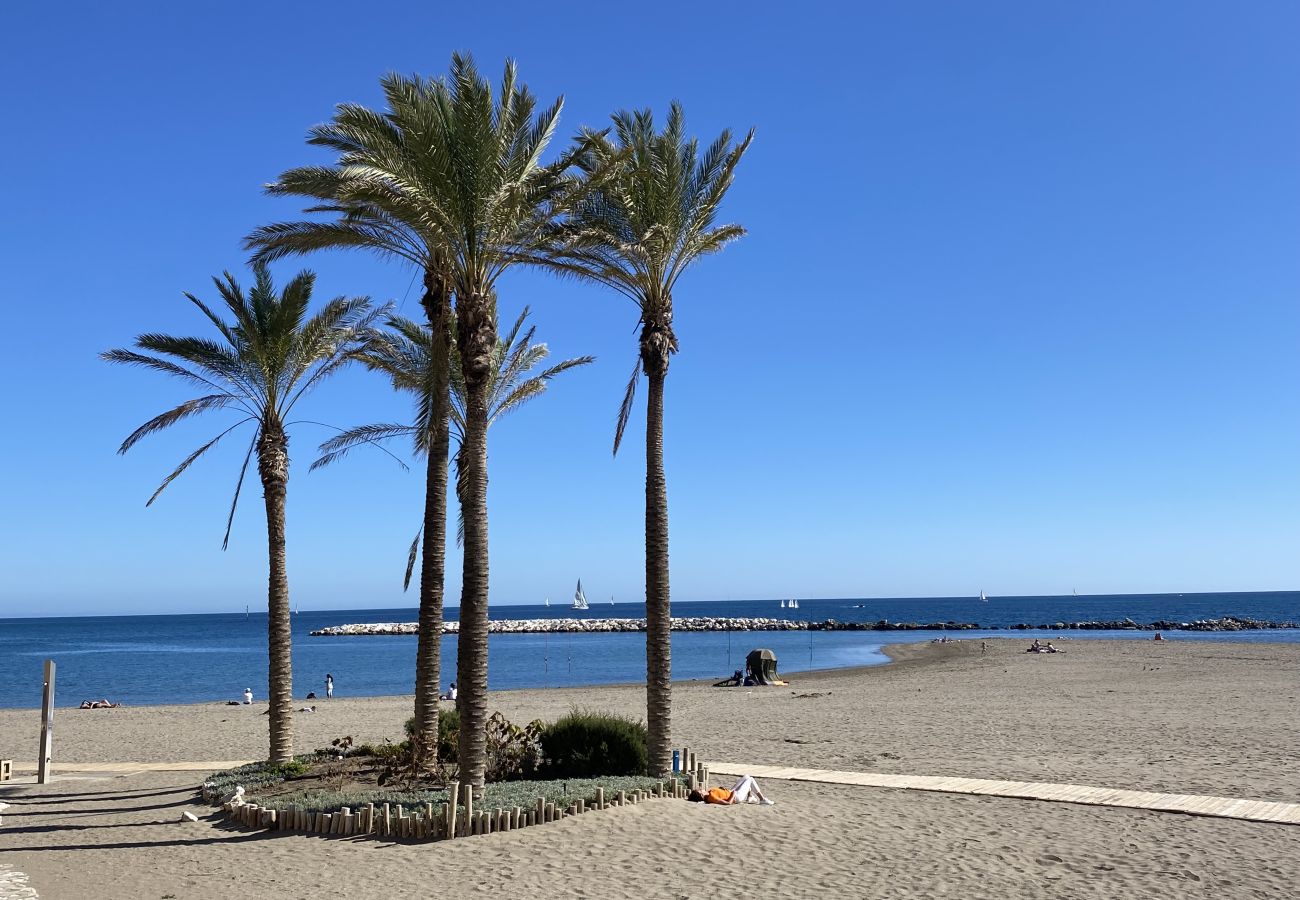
[(761, 666)]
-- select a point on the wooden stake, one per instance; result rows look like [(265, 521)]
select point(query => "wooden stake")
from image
[(453, 801)]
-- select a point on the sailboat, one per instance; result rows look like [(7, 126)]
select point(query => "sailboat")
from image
[(548, 601), (983, 598), (611, 599), (793, 604), (783, 604), (579, 599)]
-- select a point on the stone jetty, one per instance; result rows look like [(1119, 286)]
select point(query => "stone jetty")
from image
[(710, 623)]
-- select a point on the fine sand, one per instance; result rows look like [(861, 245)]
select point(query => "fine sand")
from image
[(1182, 717)]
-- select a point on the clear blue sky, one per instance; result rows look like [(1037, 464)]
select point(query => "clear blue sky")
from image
[(1018, 309)]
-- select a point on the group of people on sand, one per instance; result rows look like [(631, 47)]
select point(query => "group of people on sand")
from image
[(98, 704), (1036, 647)]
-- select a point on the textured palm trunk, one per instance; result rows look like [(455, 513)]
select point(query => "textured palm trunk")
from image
[(658, 609), (273, 466), (476, 333), (428, 655)]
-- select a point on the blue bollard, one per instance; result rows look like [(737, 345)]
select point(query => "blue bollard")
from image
[(677, 760)]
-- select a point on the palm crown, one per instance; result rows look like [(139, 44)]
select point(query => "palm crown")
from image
[(264, 362), (405, 353), (649, 214), (446, 174)]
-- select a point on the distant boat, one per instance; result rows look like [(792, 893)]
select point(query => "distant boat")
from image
[(548, 601), (983, 599), (1076, 592), (611, 599), (783, 604), (579, 599), (793, 604)]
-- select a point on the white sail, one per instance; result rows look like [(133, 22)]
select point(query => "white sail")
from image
[(984, 598), (794, 604), (548, 601), (783, 604), (579, 599)]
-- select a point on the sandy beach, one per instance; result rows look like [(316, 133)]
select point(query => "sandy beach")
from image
[(1186, 717)]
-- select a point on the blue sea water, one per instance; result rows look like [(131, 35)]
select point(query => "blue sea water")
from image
[(141, 660)]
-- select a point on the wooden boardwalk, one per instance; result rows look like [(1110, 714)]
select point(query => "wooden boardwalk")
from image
[(1191, 804)]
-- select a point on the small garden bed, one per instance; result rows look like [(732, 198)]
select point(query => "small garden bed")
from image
[(378, 789)]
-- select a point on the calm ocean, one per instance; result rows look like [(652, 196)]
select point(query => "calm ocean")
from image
[(141, 660)]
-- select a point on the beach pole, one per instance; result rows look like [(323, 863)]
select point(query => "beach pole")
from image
[(46, 758)]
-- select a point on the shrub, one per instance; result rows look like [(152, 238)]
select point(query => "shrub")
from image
[(590, 744), (448, 734)]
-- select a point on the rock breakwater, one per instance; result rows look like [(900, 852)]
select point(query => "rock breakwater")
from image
[(709, 623)]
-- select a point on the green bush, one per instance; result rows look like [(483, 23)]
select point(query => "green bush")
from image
[(591, 744), (448, 734)]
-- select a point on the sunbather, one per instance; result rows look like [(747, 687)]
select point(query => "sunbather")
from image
[(98, 704), (744, 791)]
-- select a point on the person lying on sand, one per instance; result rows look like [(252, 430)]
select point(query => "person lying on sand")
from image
[(744, 791), (98, 704)]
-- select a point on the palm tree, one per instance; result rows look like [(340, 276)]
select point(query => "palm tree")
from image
[(647, 220), (405, 354), (498, 203), (377, 193), (266, 360)]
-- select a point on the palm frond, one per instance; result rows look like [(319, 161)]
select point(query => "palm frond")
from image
[(176, 414), (189, 460), (239, 486), (411, 558), (625, 410), (342, 443)]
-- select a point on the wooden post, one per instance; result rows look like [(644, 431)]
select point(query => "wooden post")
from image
[(46, 759), (453, 803), (600, 798), (469, 809)]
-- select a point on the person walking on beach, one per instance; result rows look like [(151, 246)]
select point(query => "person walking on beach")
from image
[(329, 686)]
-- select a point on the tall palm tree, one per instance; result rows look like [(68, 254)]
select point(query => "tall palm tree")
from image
[(498, 203), (405, 354), (648, 219), (266, 360), (377, 194)]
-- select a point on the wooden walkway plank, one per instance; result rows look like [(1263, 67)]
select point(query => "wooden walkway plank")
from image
[(1192, 804)]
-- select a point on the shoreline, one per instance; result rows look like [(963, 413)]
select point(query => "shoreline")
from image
[(909, 652)]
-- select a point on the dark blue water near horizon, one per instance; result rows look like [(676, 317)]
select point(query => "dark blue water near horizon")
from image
[(142, 660)]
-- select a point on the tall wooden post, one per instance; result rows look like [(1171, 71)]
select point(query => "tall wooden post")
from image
[(47, 726)]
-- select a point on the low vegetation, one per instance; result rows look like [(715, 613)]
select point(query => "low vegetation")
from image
[(563, 761)]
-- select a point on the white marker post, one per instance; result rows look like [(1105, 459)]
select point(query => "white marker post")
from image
[(47, 726)]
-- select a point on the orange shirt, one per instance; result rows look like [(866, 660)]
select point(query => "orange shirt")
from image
[(718, 795)]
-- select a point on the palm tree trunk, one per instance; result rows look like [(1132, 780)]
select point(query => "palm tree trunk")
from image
[(476, 333), (658, 639), (273, 466), (428, 655)]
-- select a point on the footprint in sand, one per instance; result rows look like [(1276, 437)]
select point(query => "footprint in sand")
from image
[(1050, 857)]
